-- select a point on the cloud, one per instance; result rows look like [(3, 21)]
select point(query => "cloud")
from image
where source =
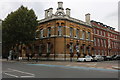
[(8, 7), (100, 10)]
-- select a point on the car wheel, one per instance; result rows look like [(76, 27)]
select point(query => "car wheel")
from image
[(97, 60), (91, 60), (84, 60)]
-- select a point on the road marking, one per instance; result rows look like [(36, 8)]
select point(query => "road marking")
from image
[(11, 75), (21, 71), (26, 76), (13, 70), (6, 71)]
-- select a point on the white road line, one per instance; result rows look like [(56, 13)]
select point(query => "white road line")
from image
[(11, 75), (21, 71), (26, 76)]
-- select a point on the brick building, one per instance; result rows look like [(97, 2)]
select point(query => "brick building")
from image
[(106, 39), (59, 36)]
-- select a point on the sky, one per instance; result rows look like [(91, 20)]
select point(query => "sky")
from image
[(105, 11)]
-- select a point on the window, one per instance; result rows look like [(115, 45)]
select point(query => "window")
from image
[(95, 31), (101, 33), (37, 34), (77, 47), (104, 34), (59, 30), (83, 35), (94, 52), (113, 44), (98, 52), (49, 32), (71, 32), (77, 33), (71, 47), (84, 49), (48, 47), (94, 41), (98, 42), (108, 34), (41, 33), (89, 35), (104, 43), (40, 50), (103, 52)]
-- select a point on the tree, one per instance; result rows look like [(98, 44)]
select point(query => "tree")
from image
[(19, 26)]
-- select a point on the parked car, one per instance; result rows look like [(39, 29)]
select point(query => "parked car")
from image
[(113, 57), (117, 57), (98, 58), (105, 58), (86, 58), (108, 58)]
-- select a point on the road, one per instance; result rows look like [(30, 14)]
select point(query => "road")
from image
[(29, 70)]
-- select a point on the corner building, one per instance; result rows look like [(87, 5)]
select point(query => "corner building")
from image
[(61, 37)]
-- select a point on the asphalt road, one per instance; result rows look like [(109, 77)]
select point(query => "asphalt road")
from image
[(28, 70)]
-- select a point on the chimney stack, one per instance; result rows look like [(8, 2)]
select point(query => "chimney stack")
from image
[(87, 18), (46, 13), (60, 4), (67, 11), (50, 11)]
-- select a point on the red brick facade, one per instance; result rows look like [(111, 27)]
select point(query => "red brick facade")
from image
[(106, 39)]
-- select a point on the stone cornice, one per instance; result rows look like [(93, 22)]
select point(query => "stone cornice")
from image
[(64, 17)]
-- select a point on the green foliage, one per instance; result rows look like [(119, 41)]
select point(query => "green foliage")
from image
[(19, 26)]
